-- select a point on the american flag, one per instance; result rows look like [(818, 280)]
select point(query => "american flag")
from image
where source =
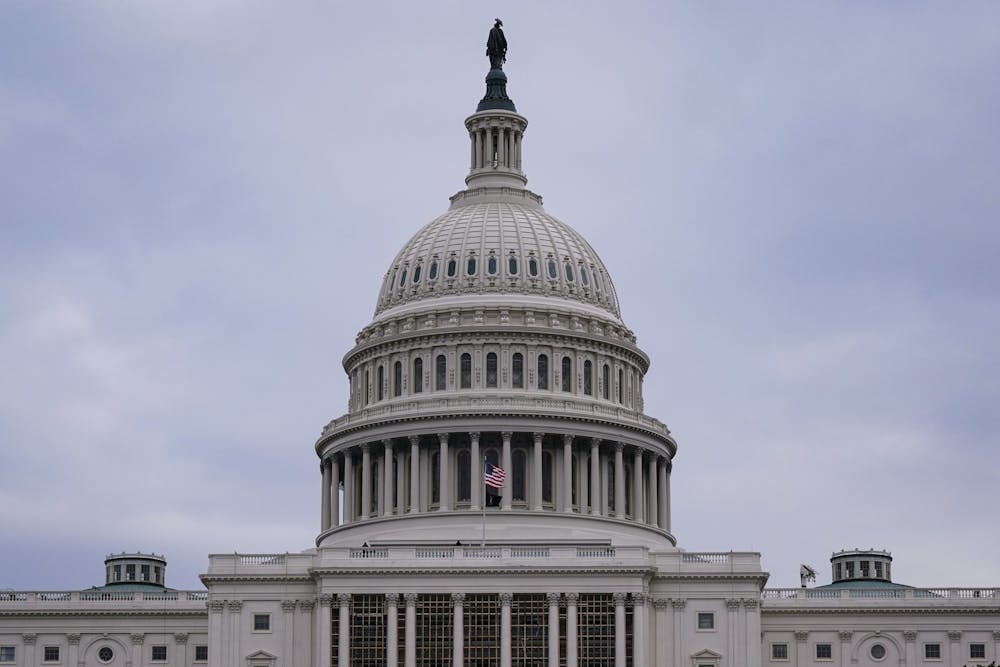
[(493, 475)]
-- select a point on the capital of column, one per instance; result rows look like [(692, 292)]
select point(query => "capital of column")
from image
[(553, 598), (457, 598), (595, 442), (410, 599), (567, 439), (538, 437), (216, 606), (234, 605), (414, 439), (505, 598), (180, 637), (343, 599), (507, 435), (639, 599), (572, 598), (288, 606), (751, 604), (474, 436), (306, 606), (387, 443), (392, 599), (366, 447), (29, 638), (996, 635), (678, 603), (326, 599), (443, 437), (661, 602), (845, 635), (618, 598), (73, 638), (801, 635), (911, 635), (619, 447), (733, 603), (954, 635), (137, 638)]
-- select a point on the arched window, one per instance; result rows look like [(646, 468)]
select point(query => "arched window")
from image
[(588, 378), (576, 482), (628, 485), (373, 510), (491, 265), (491, 369), (368, 387), (605, 381), (567, 374), (621, 381), (381, 382), (543, 371), (452, 267), (466, 369), (611, 486), (517, 371), (583, 276), (432, 273), (569, 272), (416, 274), (552, 269), (519, 474), (435, 477), (533, 267), (464, 474), (402, 278), (512, 265), (440, 373), (471, 266), (397, 379), (547, 477), (417, 381)]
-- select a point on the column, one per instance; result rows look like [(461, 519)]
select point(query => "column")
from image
[(411, 629), (677, 609), (479, 150), (287, 631), (488, 163), (235, 609), (476, 472), (414, 474), (366, 481), (584, 476), (662, 630), (322, 629), (505, 599), (652, 486), (536, 483), (664, 495), (996, 640), (215, 655), (343, 631), (334, 491), (911, 648), (73, 654), (571, 631), (639, 628), (638, 497), (595, 476), (324, 469), (619, 481), (619, 599), (388, 465), (753, 632), (505, 501), (306, 657), (799, 649), (401, 482), (458, 636), (567, 482), (955, 637), (138, 650), (845, 646), (445, 490), (733, 608), (28, 640), (554, 628), (392, 630), (349, 490), (472, 150)]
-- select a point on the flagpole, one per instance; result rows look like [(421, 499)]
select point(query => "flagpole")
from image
[(482, 472)]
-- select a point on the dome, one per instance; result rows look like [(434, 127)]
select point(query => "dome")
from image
[(498, 241)]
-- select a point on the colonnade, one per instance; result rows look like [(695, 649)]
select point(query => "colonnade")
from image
[(421, 474), (501, 143)]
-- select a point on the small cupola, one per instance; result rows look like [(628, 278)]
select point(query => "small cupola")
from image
[(861, 565), (135, 568)]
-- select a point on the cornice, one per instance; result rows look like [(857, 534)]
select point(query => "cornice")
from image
[(81, 612), (534, 571), (284, 578), (883, 611)]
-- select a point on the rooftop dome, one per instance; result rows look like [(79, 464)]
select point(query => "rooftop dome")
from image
[(498, 241)]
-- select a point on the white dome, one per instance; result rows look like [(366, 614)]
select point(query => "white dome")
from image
[(498, 243)]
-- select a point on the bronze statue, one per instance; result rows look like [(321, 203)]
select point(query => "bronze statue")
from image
[(496, 46)]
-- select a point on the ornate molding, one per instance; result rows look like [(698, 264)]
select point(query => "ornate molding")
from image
[(845, 635), (751, 604), (180, 638), (553, 598), (572, 598), (73, 638), (306, 606), (801, 635), (909, 635), (505, 598), (137, 638), (392, 599), (343, 599), (457, 598), (732, 604), (29, 638), (410, 599), (996, 635), (234, 605), (639, 599), (288, 606), (954, 635)]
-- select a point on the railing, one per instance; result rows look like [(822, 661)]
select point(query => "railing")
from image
[(482, 552), (529, 552), (90, 596), (705, 558), (369, 552), (107, 595), (434, 552), (595, 552), (927, 594), (262, 559)]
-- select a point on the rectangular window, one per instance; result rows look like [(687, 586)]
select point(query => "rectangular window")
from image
[(779, 651), (130, 573), (201, 653), (932, 651), (824, 651), (706, 620), (159, 654), (7, 654), (261, 622), (977, 651), (51, 654), (144, 573)]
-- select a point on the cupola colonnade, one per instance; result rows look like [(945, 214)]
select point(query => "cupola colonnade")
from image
[(443, 472)]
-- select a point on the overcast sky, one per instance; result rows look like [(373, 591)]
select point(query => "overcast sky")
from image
[(798, 203)]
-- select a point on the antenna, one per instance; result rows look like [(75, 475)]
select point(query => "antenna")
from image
[(806, 573)]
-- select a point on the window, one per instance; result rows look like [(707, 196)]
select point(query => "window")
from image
[(706, 620), (118, 573), (517, 371), (512, 266), (838, 573), (588, 378), (435, 478), (464, 476), (158, 573), (159, 654), (621, 383), (7, 654), (440, 373), (368, 386), (402, 278), (432, 273), (864, 569), (144, 573), (543, 371), (533, 267), (452, 267), (130, 573), (416, 274), (878, 569), (519, 464), (877, 652), (491, 369), (491, 265), (381, 383), (584, 277), (849, 569), (466, 368), (51, 654), (105, 654), (569, 272), (552, 270), (824, 651), (977, 651), (397, 379), (262, 622), (418, 375), (932, 651), (201, 653), (779, 651), (471, 266), (567, 374), (547, 477)]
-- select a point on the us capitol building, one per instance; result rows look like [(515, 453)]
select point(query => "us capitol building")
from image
[(497, 338)]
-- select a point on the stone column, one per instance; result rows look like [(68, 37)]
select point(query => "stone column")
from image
[(583, 472), (911, 648), (479, 149), (619, 481), (392, 630), (663, 514), (662, 630), (619, 599), (138, 649), (458, 636), (324, 469), (444, 503), (388, 465), (28, 640), (414, 474), (567, 482), (343, 630), (505, 599), (537, 472), (571, 631), (800, 649), (955, 636), (215, 655), (366, 481), (753, 632), (505, 501), (652, 487), (475, 472), (323, 631), (845, 646), (638, 496), (235, 610), (488, 162), (308, 656), (73, 654), (411, 629), (472, 150), (334, 491), (639, 628), (349, 490), (595, 476), (287, 631), (553, 599), (732, 610), (677, 610), (401, 481)]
